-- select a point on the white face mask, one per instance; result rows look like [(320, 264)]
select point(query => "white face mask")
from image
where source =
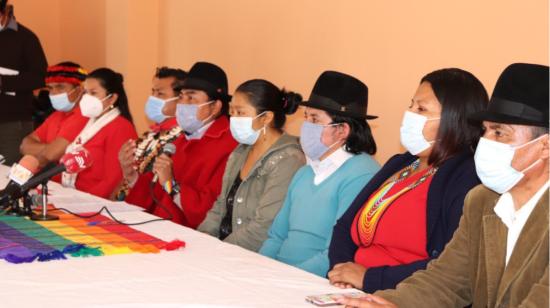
[(91, 106), (242, 131), (411, 132), (494, 164)]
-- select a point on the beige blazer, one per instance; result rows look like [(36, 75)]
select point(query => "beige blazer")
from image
[(471, 269)]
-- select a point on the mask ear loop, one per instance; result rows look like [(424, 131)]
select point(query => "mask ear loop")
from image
[(335, 143), (536, 161), (79, 96), (433, 119), (167, 101), (204, 104)]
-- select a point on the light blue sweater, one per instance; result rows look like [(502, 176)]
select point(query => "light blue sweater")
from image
[(301, 232)]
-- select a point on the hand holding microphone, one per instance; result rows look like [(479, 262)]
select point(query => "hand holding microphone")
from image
[(162, 168)]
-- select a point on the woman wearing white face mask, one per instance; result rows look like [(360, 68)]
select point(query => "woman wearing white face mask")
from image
[(259, 170), (338, 144), (407, 213), (109, 126), (49, 141), (137, 157)]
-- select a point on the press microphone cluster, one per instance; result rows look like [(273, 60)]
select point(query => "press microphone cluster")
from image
[(73, 162)]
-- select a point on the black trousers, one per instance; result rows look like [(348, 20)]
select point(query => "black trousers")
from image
[(11, 135)]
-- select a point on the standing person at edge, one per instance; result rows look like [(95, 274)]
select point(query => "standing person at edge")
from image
[(190, 181), (22, 69), (161, 109)]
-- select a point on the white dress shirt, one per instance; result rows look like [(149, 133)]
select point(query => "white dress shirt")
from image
[(515, 220), (325, 168), (199, 132)]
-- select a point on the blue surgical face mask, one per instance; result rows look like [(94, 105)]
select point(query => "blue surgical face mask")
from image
[(186, 114), (61, 102), (242, 131), (310, 139), (154, 106)]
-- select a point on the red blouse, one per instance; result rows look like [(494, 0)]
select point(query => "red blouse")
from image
[(105, 173), (400, 237)]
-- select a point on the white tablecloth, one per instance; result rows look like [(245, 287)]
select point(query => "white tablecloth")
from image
[(207, 273)]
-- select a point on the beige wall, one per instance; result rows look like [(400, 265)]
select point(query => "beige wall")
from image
[(388, 45)]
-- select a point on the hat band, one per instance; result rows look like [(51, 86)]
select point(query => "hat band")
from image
[(331, 104), (515, 109)]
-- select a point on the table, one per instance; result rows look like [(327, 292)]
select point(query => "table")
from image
[(207, 273)]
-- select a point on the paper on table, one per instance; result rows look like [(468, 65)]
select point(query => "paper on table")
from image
[(9, 72), (84, 204)]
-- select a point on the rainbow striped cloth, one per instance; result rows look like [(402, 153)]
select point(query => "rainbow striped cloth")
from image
[(23, 240)]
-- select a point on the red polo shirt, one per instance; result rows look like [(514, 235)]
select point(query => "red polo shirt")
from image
[(62, 124)]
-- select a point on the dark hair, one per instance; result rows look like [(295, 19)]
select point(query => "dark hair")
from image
[(3, 5), (178, 74), (460, 94), (265, 96), (112, 82), (360, 139), (537, 131)]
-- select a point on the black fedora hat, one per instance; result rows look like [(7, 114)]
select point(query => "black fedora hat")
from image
[(520, 97), (340, 94), (209, 78)]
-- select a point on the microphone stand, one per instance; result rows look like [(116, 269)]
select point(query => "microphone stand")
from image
[(44, 216)]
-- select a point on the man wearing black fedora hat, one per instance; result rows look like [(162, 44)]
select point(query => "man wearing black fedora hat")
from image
[(337, 142), (190, 180), (498, 256)]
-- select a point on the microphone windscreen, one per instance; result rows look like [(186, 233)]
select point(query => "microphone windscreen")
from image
[(77, 161), (30, 163), (22, 171), (169, 149)]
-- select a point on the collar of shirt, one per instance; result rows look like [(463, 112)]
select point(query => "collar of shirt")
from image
[(515, 220), (199, 133), (12, 24), (506, 211), (325, 168)]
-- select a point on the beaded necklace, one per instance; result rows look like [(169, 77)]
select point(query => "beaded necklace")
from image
[(149, 147), (377, 204)]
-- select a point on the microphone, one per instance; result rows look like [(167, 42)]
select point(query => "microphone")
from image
[(2, 159), (22, 171), (73, 162), (19, 174), (169, 149)]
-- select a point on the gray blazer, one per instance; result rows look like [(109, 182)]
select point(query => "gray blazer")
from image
[(260, 195)]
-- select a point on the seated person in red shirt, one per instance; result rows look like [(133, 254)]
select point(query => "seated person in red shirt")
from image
[(408, 212), (190, 181), (109, 126), (161, 109), (49, 141)]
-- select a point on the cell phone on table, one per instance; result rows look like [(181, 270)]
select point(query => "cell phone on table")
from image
[(325, 300)]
